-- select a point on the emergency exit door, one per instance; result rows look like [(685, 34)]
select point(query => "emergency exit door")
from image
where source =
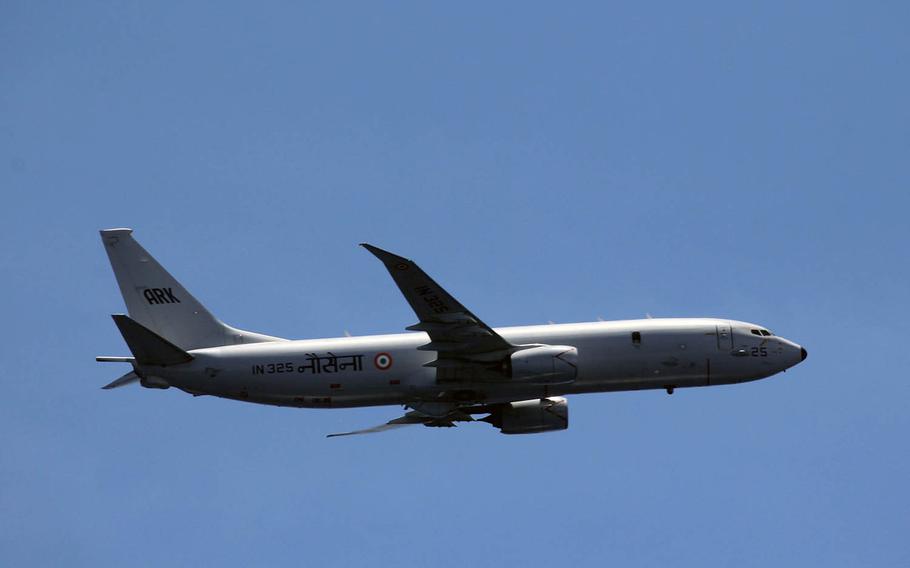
[(724, 337)]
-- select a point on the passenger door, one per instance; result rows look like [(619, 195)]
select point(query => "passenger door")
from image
[(724, 337)]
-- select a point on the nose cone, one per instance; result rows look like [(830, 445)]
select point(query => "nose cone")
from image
[(803, 353)]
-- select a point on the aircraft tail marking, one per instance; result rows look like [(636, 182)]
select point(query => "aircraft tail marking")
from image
[(158, 302)]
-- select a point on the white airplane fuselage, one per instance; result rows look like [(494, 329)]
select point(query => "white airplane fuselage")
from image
[(452, 366), (389, 369)]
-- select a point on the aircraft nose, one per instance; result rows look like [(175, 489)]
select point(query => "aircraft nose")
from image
[(803, 353)]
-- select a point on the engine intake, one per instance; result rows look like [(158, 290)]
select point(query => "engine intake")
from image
[(544, 365)]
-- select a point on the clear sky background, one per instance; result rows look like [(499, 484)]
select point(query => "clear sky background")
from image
[(543, 162)]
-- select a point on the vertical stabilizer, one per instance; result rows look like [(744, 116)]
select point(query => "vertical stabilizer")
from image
[(160, 303)]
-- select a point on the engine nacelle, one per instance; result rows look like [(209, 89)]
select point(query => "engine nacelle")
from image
[(545, 365), (532, 416)]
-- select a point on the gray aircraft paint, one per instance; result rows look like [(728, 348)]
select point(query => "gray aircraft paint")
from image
[(390, 369)]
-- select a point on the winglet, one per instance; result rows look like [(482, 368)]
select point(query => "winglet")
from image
[(148, 347), (388, 258)]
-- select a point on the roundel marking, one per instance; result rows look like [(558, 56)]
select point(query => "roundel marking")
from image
[(383, 361), (402, 266)]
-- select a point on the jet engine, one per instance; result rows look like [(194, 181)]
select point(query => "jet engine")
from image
[(544, 365), (531, 416)]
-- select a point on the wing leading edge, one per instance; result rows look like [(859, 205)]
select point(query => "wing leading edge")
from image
[(467, 350), (466, 347), (412, 417)]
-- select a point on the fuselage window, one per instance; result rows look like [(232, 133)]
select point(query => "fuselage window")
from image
[(636, 338)]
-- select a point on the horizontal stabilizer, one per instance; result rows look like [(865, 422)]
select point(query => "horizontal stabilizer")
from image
[(148, 347), (126, 379)]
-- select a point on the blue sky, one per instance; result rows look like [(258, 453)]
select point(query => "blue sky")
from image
[(543, 163)]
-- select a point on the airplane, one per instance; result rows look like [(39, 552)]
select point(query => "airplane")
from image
[(449, 369)]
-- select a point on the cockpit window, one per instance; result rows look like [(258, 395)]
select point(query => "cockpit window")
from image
[(755, 332), (766, 333)]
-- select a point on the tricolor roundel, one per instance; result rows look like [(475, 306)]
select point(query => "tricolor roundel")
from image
[(383, 361)]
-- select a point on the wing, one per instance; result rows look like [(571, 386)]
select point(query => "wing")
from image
[(390, 425), (413, 417), (465, 346)]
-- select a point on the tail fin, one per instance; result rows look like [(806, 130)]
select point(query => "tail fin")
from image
[(156, 301), (147, 347)]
